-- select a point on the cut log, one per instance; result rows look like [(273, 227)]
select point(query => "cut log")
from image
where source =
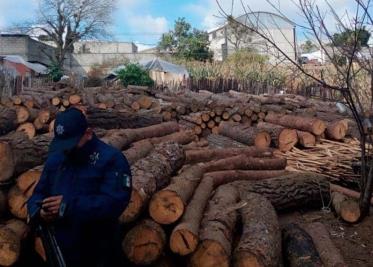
[(187, 230), (182, 138), (219, 141), (26, 153), (299, 249), (292, 191), (260, 242), (65, 103), (138, 150), (56, 101), (111, 119), (205, 155), (168, 205), (284, 139), (123, 138), (7, 162), (27, 128), (347, 209), (329, 253), (11, 235), (145, 102), (74, 99), (8, 120), (23, 114), (151, 174), (337, 130), (217, 228), (193, 118), (312, 125), (306, 139), (245, 134), (144, 244), (347, 192), (17, 100)]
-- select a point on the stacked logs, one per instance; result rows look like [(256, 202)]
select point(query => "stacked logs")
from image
[(190, 195)]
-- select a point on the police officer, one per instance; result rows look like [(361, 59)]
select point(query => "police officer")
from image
[(84, 187)]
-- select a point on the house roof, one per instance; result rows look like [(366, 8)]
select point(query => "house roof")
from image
[(39, 68)]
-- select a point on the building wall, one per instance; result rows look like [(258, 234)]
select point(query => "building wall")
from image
[(284, 39)]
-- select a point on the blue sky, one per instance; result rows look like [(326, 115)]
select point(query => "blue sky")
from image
[(143, 21)]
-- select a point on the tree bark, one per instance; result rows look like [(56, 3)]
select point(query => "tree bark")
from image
[(347, 192), (144, 243), (138, 150), (219, 141), (260, 242), (329, 254), (299, 249), (111, 119), (122, 138), (312, 125), (217, 229), (245, 134), (282, 138), (8, 120), (151, 174)]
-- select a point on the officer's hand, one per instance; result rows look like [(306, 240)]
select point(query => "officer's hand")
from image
[(51, 205), (48, 216)]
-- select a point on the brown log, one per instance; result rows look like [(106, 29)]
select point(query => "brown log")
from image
[(217, 119), (101, 106), (11, 235), (215, 130), (8, 120), (74, 99), (187, 229), (112, 119), (26, 154), (145, 102), (23, 114), (123, 138), (166, 115), (65, 103), (291, 191), (225, 115), (299, 249), (17, 100), (211, 124), (237, 117), (217, 228), (182, 138), (144, 243), (245, 134), (196, 145), (312, 125), (168, 205), (337, 130), (56, 101), (219, 141), (205, 155), (347, 192), (27, 128), (219, 110), (194, 118), (284, 139), (260, 242), (306, 139), (347, 209), (138, 150), (205, 116), (7, 163), (151, 174), (329, 253)]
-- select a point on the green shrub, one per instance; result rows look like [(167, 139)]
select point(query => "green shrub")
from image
[(55, 72), (134, 74)]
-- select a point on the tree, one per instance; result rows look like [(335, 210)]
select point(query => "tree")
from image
[(347, 37), (134, 74), (352, 78), (185, 42), (308, 47), (67, 21), (238, 35)]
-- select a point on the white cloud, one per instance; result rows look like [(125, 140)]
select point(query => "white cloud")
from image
[(148, 23)]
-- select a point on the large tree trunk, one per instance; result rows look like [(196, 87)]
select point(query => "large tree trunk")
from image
[(217, 228), (219, 141), (11, 235), (329, 254), (168, 205), (111, 119), (245, 134), (291, 191), (151, 174), (284, 139), (260, 242), (8, 120), (299, 249), (138, 150), (307, 124), (122, 138), (144, 243), (184, 238), (23, 153), (205, 155)]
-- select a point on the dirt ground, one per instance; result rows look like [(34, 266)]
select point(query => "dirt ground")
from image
[(354, 241)]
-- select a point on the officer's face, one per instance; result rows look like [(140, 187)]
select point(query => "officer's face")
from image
[(86, 137)]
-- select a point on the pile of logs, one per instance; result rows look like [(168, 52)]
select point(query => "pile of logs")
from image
[(210, 173)]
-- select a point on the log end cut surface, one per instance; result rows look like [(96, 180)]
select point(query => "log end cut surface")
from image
[(210, 254), (166, 207), (133, 208), (183, 242)]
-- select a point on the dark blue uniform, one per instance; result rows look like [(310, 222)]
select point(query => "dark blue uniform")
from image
[(95, 183)]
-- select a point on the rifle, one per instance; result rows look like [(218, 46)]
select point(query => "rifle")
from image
[(52, 250)]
